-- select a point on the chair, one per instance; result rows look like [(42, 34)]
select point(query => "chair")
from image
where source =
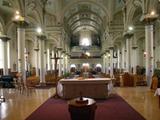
[(31, 83), (140, 80), (50, 79), (117, 80), (154, 83), (7, 81), (128, 80)]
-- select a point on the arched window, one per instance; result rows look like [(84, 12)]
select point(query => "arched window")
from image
[(98, 67), (73, 68)]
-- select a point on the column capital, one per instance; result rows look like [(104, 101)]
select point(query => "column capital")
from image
[(59, 48), (134, 47), (41, 37), (110, 47), (127, 34), (22, 23), (4, 38), (36, 49), (107, 50), (103, 53), (148, 19), (63, 51), (45, 52), (68, 54)]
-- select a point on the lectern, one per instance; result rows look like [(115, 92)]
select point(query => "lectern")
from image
[(82, 108)]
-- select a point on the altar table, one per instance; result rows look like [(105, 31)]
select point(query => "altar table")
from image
[(157, 92), (92, 87)]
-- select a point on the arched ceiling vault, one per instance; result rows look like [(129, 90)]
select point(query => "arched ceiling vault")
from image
[(86, 15)]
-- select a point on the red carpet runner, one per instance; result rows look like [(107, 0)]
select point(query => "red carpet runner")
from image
[(114, 108)]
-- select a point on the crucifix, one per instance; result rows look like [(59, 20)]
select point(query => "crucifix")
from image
[(56, 58)]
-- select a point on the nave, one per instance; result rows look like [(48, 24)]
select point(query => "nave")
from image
[(19, 106), (42, 41)]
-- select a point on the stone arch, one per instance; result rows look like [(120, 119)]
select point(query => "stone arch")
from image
[(139, 36), (131, 13), (35, 16), (30, 38), (10, 27), (51, 20), (118, 17), (1, 25), (32, 21), (54, 40), (157, 30), (141, 50), (152, 5), (119, 35), (29, 41)]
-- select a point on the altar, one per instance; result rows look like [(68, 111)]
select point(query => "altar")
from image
[(97, 88)]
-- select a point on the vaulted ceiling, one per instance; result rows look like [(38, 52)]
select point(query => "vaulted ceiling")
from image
[(85, 16), (102, 18)]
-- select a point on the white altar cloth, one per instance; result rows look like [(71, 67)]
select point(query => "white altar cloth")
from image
[(90, 87), (157, 92)]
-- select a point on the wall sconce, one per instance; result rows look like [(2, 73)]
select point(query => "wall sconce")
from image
[(88, 54), (18, 17), (152, 13), (39, 30), (144, 53), (109, 55)]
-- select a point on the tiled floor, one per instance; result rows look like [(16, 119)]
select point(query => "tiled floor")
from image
[(19, 106)]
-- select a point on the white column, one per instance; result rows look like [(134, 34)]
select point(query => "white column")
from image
[(121, 68), (53, 61), (9, 55), (5, 58), (42, 66), (21, 49), (36, 48), (26, 60), (37, 62), (103, 57), (111, 62), (65, 59), (123, 56), (134, 59), (45, 58), (119, 58), (64, 70), (48, 59), (149, 52), (67, 63), (60, 64), (107, 62), (5, 54), (45, 62), (128, 63)]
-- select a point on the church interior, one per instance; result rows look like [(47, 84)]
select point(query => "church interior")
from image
[(77, 51)]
